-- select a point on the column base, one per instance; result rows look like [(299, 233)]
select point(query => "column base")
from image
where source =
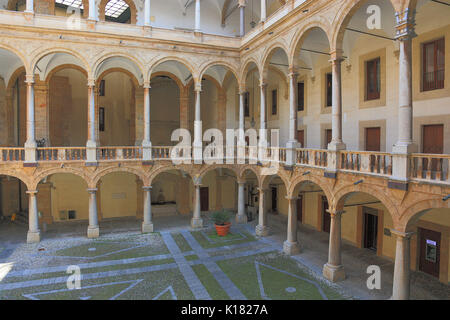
[(291, 248), (262, 231), (336, 146), (147, 228), (333, 273), (197, 223), (241, 218), (93, 232), (33, 236)]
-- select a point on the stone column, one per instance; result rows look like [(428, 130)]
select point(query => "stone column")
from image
[(336, 143), (263, 11), (29, 6), (400, 288), (147, 224), (147, 13), (262, 145), (198, 151), (92, 9), (34, 234), (291, 246), (197, 221), (241, 216), (197, 16), (333, 270), (405, 144), (184, 108), (93, 228), (30, 143), (91, 144), (241, 18), (241, 137), (146, 143), (292, 144), (262, 230)]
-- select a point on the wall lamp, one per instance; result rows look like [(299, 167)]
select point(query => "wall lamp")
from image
[(358, 182), (446, 197)]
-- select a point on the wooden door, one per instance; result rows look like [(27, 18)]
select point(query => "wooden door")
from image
[(370, 228), (326, 215), (432, 142), (204, 199), (299, 208), (373, 136), (301, 137), (430, 245)]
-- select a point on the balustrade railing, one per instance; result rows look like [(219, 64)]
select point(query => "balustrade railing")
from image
[(366, 162), (430, 167), (423, 167), (312, 157), (12, 154), (61, 154)]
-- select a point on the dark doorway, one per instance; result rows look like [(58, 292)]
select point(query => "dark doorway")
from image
[(300, 208), (370, 228), (430, 245), (328, 137), (326, 222), (204, 199), (274, 199)]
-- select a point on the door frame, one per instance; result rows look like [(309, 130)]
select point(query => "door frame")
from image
[(360, 229)]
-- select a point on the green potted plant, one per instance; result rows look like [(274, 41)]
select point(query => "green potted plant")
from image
[(222, 222)]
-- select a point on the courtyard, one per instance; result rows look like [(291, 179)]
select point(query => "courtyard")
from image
[(180, 263)]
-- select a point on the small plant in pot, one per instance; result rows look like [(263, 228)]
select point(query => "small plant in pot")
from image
[(222, 222)]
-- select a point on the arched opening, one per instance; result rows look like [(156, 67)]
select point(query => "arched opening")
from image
[(310, 59), (252, 98), (219, 191), (58, 7), (276, 69), (63, 204), (120, 11), (68, 100), (60, 99), (13, 208), (251, 194), (13, 96)]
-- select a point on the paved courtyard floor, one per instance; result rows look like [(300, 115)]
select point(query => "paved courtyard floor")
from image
[(179, 263)]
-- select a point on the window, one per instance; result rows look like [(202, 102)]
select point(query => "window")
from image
[(246, 104), (329, 89), (274, 101), (101, 119), (301, 96), (433, 65), (101, 88), (373, 79)]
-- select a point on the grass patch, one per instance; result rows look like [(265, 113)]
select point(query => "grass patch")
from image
[(276, 285), (230, 239), (191, 257), (181, 242), (152, 284), (210, 283)]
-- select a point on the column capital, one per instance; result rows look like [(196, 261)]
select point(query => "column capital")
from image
[(242, 3), (290, 198), (292, 75), (146, 85), (91, 82), (263, 84), (336, 56), (335, 213), (401, 234), (241, 181), (147, 188), (31, 192), (29, 79), (404, 27), (92, 190), (262, 190), (198, 87)]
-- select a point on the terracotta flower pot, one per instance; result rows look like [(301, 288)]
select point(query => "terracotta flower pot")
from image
[(222, 231)]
